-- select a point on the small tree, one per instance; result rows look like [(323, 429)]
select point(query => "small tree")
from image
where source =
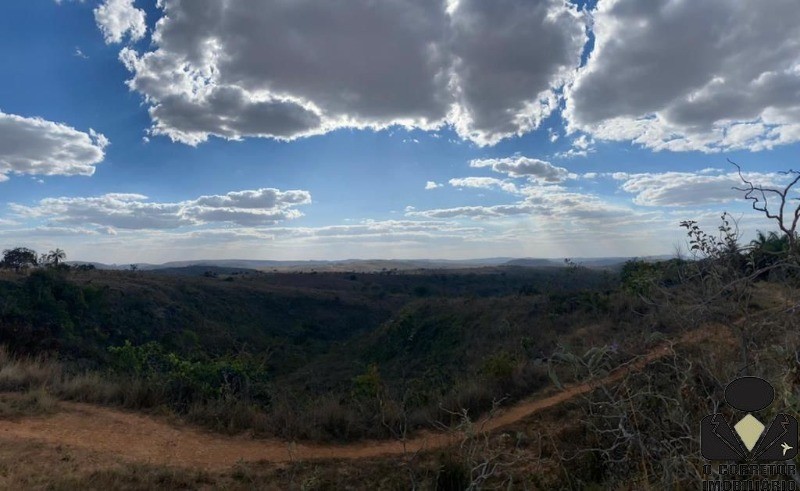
[(19, 258)]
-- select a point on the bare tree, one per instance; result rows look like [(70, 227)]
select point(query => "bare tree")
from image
[(759, 196), (480, 458)]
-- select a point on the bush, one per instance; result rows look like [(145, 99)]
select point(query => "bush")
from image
[(187, 382)]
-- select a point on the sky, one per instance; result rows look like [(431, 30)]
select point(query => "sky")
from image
[(162, 130)]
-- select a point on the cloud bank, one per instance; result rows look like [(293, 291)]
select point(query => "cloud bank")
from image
[(288, 69), (682, 75), (666, 74), (259, 207)]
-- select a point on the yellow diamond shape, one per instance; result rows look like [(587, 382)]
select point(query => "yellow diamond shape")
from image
[(749, 429)]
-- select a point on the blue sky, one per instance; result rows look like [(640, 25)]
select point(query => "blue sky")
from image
[(136, 132)]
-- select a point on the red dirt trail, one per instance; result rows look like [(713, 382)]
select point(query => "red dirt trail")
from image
[(146, 439)]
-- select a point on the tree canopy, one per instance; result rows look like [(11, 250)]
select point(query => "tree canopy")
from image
[(19, 258)]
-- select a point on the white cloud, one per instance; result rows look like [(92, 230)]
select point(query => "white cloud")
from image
[(289, 69), (681, 75), (484, 183), (688, 188), (134, 212), (266, 198), (35, 146), (581, 147), (432, 185), (475, 211), (554, 203), (518, 166), (119, 18)]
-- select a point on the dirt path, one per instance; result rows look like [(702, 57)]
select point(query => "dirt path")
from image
[(139, 438)]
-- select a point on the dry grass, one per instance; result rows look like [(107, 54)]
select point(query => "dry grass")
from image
[(17, 373), (89, 387), (42, 374), (34, 402)]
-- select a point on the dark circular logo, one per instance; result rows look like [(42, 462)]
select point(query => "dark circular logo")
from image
[(749, 394)]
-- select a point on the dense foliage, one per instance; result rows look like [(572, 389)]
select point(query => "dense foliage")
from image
[(292, 344)]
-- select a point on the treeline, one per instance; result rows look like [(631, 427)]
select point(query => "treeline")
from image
[(22, 258)]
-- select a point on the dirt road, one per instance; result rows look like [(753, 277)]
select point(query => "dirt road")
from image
[(140, 438)]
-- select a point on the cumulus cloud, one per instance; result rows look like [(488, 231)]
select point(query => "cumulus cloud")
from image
[(35, 146), (688, 188), (432, 185), (518, 166), (475, 211), (113, 211), (581, 147), (119, 18), (484, 183), (510, 57), (266, 198), (289, 69), (681, 75)]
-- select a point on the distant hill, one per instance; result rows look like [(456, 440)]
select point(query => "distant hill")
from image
[(533, 263), (202, 270), (366, 265), (354, 265)]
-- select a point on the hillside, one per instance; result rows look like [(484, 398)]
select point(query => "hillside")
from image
[(389, 365), (328, 345)]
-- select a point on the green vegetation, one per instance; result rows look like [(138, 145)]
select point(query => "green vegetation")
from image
[(312, 356), (19, 258)]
